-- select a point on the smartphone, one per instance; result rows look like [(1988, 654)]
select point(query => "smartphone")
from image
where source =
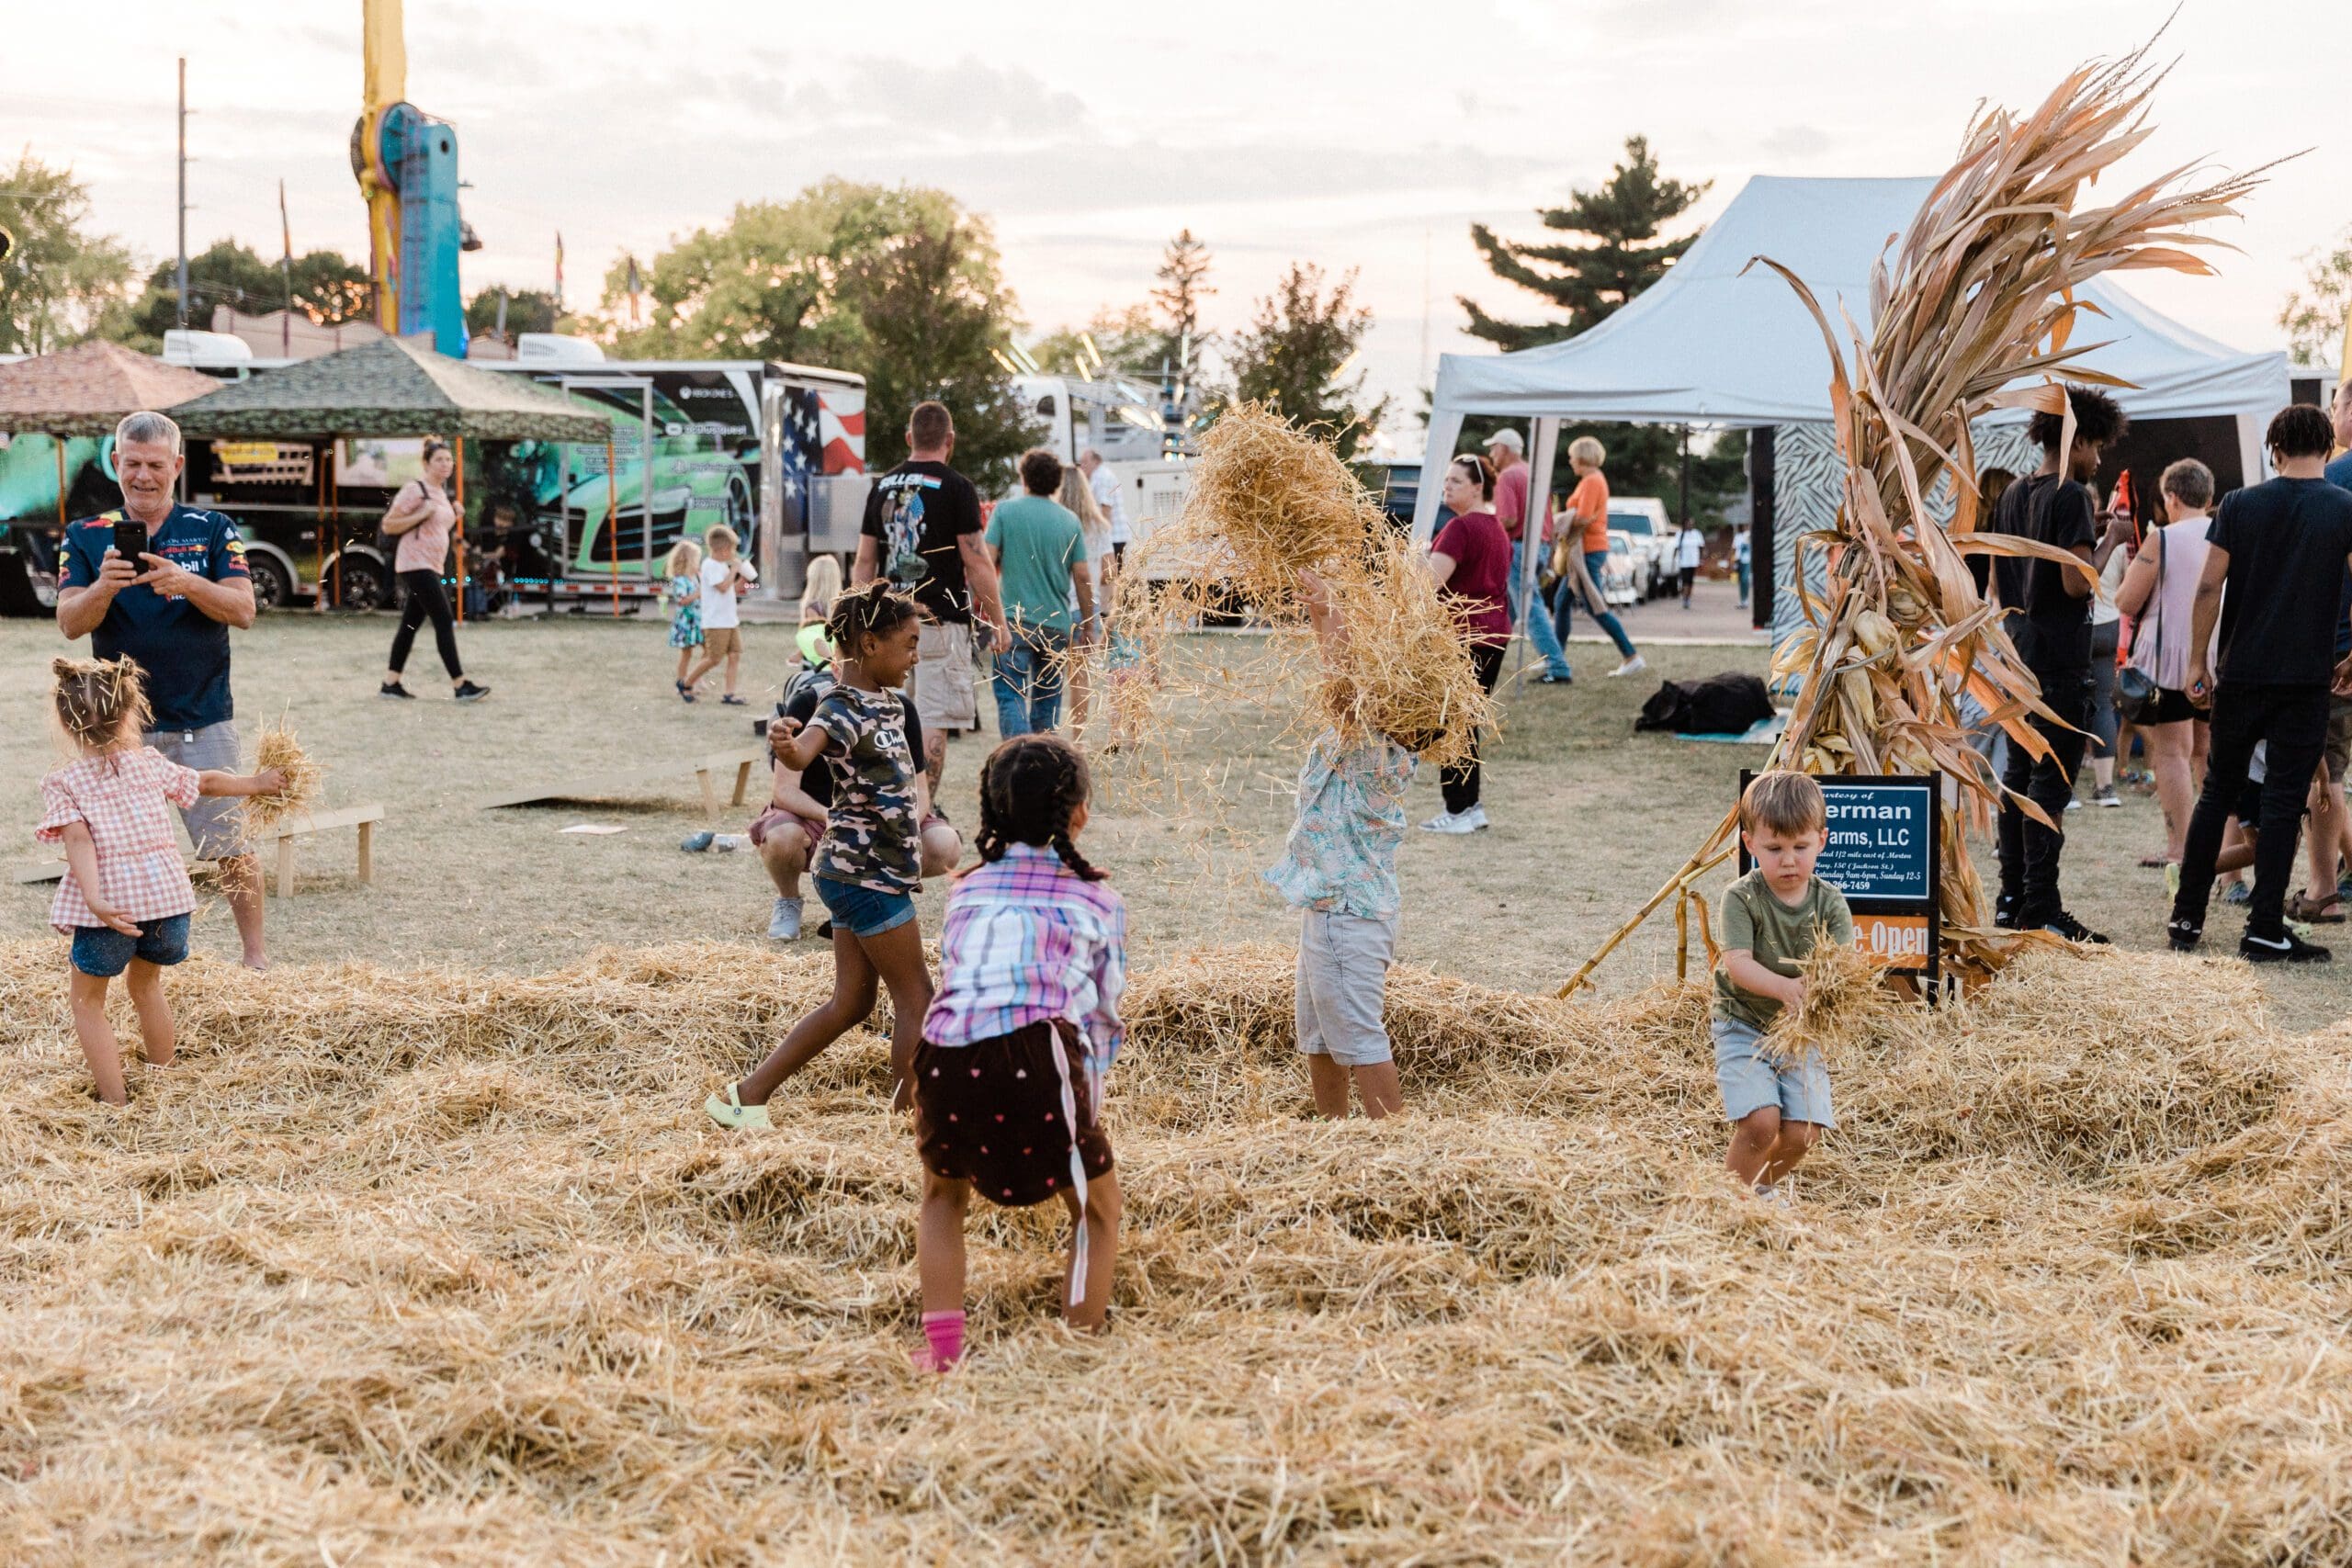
[(131, 542)]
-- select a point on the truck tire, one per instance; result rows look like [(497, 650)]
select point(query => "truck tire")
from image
[(273, 584), (364, 587)]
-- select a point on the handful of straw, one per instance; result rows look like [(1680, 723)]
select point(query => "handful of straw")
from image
[(279, 750), (1845, 1002)]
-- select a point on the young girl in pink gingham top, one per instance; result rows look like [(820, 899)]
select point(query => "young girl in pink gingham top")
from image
[(125, 897)]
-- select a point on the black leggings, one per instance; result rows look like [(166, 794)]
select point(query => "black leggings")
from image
[(1459, 784), (422, 596)]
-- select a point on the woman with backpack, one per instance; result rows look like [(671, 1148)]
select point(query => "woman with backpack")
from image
[(421, 519)]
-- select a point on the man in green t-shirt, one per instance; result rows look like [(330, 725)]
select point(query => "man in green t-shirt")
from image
[(1040, 555)]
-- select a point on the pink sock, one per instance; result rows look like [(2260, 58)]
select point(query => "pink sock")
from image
[(945, 1331)]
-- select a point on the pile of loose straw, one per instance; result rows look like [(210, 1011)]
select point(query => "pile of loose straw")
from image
[(445, 1266), (1845, 1002)]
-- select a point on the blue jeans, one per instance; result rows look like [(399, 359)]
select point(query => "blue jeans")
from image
[(864, 910), (102, 951), (1029, 682), (1539, 625), (1564, 601)]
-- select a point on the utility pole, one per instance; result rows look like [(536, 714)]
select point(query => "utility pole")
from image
[(181, 278)]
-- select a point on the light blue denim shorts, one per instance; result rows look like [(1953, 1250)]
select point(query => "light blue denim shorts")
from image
[(1749, 1083)]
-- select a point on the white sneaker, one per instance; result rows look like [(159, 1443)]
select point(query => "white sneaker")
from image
[(1472, 819), (1633, 666), (784, 923), (1447, 822)]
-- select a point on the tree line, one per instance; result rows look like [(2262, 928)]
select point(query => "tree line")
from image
[(904, 285)]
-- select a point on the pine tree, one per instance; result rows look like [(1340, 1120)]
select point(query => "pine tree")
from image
[(1589, 280), (1184, 273)]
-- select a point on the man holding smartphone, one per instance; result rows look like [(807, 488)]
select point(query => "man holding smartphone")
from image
[(168, 601)]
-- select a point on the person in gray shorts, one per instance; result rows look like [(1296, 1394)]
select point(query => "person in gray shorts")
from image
[(1338, 868), (171, 609)]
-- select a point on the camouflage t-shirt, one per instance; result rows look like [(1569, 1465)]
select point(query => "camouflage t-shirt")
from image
[(871, 838)]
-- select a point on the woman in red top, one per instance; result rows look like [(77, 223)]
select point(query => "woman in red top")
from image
[(1470, 560)]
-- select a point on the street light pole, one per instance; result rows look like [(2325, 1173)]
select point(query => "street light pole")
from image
[(182, 276)]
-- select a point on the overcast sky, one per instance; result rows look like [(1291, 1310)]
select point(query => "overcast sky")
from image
[(1365, 137)]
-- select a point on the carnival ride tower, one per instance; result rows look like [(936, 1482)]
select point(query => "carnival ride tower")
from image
[(406, 163)]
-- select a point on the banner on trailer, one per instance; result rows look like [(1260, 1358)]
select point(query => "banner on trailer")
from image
[(1883, 851)]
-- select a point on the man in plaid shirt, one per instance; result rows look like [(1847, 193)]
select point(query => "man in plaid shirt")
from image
[(171, 610)]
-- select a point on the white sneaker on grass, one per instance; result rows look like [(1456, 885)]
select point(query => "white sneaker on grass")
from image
[(1458, 823), (784, 921), (1633, 666)]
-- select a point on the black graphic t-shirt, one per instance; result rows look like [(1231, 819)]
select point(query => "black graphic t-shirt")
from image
[(918, 511)]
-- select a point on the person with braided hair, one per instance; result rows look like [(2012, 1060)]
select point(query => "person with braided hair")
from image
[(1008, 1080), (125, 897), (868, 862)]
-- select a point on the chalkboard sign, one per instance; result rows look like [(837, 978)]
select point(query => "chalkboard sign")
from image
[(1885, 855)]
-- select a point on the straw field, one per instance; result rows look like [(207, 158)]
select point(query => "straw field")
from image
[(442, 1264)]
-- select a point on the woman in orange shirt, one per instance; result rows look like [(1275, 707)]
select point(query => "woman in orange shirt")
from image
[(1590, 502)]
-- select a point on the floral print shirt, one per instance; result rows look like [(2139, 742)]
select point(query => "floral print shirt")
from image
[(1341, 855)]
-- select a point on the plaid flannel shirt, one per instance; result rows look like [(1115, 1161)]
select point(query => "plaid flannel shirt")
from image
[(1027, 939), (120, 796)]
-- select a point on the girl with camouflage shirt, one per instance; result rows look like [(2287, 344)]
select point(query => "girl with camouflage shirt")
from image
[(869, 860)]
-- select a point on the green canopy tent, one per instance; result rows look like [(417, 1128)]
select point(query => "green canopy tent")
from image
[(391, 388)]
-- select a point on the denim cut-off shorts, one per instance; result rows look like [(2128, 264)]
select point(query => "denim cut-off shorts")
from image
[(1749, 1083), (863, 911), (102, 951)]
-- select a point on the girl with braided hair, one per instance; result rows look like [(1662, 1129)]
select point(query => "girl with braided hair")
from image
[(1008, 1076), (868, 862), (125, 897)]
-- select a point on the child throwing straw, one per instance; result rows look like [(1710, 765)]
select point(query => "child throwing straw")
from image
[(682, 567), (1339, 869), (125, 897), (1009, 1076), (869, 860), (1771, 918)]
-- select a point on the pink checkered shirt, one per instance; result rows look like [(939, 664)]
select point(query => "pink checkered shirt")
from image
[(120, 796)]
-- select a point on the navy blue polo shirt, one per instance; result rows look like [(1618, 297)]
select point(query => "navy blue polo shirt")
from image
[(184, 651)]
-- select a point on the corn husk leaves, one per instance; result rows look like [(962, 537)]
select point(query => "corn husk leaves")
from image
[(1981, 289)]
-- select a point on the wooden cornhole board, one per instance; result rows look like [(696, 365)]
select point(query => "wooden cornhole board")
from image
[(706, 770), (284, 835)]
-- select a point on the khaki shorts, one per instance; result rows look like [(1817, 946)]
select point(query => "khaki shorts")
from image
[(216, 823), (717, 642), (942, 686), (2338, 751)]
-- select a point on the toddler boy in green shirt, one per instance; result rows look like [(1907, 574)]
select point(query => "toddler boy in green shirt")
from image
[(1770, 919)]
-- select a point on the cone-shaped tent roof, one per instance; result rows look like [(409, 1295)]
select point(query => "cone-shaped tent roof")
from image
[(389, 388), (1716, 343), (86, 389)]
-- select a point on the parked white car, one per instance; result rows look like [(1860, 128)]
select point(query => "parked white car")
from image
[(1642, 520), (1618, 577)]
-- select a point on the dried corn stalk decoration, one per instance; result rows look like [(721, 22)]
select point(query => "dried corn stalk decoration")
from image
[(1982, 291)]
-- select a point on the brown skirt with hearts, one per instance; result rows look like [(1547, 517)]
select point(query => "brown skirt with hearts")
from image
[(991, 1113)]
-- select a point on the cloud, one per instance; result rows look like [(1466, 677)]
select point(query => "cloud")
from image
[(1796, 143)]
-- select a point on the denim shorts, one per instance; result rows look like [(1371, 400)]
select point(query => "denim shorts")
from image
[(1749, 1083), (863, 911), (102, 951)]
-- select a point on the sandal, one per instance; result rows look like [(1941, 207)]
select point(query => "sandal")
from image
[(2318, 912), (2152, 863)]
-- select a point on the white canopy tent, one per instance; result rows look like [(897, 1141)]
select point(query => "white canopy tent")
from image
[(1710, 345)]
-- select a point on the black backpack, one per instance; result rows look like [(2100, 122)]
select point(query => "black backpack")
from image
[(1728, 704)]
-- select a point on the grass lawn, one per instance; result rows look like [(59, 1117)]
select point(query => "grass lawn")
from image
[(1590, 818)]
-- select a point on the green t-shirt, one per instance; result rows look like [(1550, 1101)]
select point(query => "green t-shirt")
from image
[(1041, 541), (1776, 935)]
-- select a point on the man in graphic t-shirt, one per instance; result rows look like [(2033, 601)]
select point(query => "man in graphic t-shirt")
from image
[(171, 610), (2048, 607), (2280, 549), (923, 531)]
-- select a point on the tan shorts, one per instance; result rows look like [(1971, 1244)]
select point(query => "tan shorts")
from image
[(2338, 751), (942, 686), (717, 642)]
